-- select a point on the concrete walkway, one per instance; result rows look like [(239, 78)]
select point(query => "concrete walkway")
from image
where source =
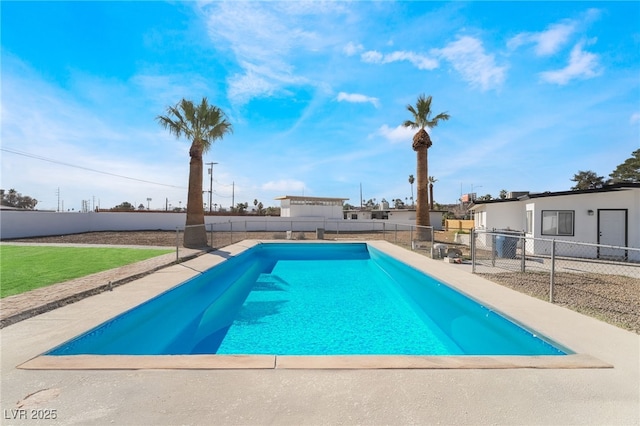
[(346, 396)]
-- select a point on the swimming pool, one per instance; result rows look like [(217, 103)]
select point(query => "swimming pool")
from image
[(310, 299)]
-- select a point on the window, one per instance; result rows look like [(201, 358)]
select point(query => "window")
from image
[(557, 222), (480, 219), (529, 225)]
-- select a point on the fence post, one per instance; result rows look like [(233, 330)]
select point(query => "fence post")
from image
[(383, 229), (395, 234), (553, 269), (493, 250), (211, 234), (411, 236), (433, 235), (177, 243), (523, 241), (472, 248)]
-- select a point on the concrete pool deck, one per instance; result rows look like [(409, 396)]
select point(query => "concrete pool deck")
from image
[(165, 394)]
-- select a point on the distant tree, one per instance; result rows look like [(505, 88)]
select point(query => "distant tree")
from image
[(420, 119), (371, 204), (486, 197), (272, 211), (629, 171), (399, 204), (258, 207), (141, 206), (448, 215), (241, 208), (124, 206), (201, 125), (432, 180), (587, 180), (503, 194), (411, 181), (26, 202), (13, 198), (347, 206)]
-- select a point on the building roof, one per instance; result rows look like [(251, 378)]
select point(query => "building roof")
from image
[(606, 188)]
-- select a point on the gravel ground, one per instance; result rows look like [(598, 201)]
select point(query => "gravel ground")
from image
[(611, 298)]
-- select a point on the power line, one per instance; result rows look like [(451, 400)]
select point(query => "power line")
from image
[(38, 157)]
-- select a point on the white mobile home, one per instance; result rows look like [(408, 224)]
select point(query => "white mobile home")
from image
[(609, 215)]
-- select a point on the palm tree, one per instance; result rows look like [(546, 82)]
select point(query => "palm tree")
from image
[(421, 143), (202, 125), (411, 180), (432, 180)]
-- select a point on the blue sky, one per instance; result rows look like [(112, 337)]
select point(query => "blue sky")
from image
[(316, 93)]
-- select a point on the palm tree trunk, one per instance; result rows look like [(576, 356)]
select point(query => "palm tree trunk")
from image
[(413, 200), (431, 196), (422, 209), (195, 234)]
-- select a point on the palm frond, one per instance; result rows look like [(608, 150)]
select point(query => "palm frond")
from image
[(202, 124), (409, 123)]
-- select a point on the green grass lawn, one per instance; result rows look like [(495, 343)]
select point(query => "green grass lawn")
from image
[(24, 268)]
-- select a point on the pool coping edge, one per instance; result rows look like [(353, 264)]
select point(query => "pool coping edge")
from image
[(320, 362)]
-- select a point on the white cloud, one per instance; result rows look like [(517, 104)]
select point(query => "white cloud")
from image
[(357, 98), (421, 62), (546, 42), (635, 118), (263, 37), (549, 42), (398, 134), (372, 56), (351, 48), (283, 186), (582, 64), (242, 87), (468, 57), (555, 36)]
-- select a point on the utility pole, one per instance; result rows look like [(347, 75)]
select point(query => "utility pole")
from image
[(210, 184), (233, 194), (58, 195)]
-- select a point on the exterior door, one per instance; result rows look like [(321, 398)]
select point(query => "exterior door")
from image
[(612, 231)]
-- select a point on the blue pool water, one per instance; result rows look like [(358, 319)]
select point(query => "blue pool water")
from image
[(310, 299)]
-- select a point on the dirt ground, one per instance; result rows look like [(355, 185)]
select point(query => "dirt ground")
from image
[(613, 299)]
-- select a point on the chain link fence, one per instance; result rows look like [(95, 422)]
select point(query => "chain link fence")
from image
[(412, 237), (599, 280)]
